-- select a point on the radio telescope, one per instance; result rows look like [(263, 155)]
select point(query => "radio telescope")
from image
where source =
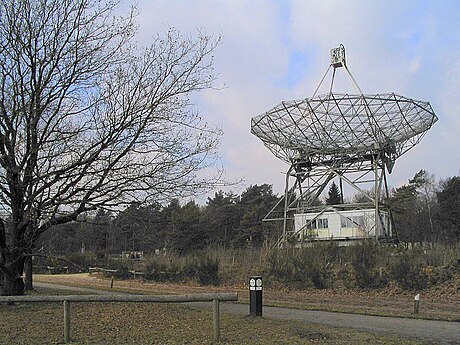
[(353, 138)]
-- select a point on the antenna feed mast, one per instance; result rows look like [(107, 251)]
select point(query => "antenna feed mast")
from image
[(338, 57)]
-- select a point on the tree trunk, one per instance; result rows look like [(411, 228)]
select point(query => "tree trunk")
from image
[(13, 283), (28, 273)]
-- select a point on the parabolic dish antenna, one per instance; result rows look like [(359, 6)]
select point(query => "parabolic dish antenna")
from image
[(332, 123), (335, 124), (332, 135)]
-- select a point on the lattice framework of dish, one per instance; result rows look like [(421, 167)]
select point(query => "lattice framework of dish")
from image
[(332, 124)]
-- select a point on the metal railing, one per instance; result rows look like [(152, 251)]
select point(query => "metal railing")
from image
[(204, 297)]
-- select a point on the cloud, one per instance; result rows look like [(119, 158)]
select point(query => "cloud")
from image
[(275, 51)]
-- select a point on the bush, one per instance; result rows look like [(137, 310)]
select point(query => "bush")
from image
[(347, 275), (207, 272), (319, 277), (330, 250), (364, 262), (438, 275), (164, 272), (409, 274), (174, 269), (121, 267), (280, 268), (301, 268), (78, 262)]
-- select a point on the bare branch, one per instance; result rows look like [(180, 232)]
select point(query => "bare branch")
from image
[(87, 120)]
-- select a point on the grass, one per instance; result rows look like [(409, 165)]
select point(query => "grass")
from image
[(436, 306), (149, 323)]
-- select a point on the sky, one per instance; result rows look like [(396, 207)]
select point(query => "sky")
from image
[(274, 50)]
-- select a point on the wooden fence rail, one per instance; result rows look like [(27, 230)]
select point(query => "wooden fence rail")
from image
[(204, 297)]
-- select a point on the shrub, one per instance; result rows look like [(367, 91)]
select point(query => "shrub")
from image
[(330, 250), (121, 267), (280, 267), (408, 273), (165, 271), (316, 263), (300, 269), (78, 262), (174, 269), (364, 261), (319, 277), (347, 276), (208, 272), (154, 270), (438, 275)]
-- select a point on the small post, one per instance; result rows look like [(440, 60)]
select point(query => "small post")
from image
[(216, 318), (66, 321), (417, 303), (255, 296), (111, 283)]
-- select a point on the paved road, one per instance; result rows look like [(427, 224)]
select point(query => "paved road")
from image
[(434, 332)]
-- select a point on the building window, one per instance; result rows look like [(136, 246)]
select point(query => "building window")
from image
[(322, 223), (352, 222), (319, 223), (358, 221)]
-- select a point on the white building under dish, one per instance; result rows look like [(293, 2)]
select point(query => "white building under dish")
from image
[(343, 225)]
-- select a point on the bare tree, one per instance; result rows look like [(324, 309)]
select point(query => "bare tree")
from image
[(426, 188), (89, 120)]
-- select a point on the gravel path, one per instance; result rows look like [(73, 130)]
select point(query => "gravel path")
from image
[(433, 332)]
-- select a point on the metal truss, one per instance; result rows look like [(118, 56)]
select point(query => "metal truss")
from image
[(305, 183), (353, 137)]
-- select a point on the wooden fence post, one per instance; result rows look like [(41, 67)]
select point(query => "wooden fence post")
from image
[(216, 315), (66, 321), (417, 303)]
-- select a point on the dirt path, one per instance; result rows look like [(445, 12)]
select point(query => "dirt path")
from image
[(433, 332)]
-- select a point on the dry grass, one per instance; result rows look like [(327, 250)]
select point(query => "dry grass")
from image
[(124, 323), (439, 303)]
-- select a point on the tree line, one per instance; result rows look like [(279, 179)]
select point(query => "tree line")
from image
[(424, 211), (227, 220)]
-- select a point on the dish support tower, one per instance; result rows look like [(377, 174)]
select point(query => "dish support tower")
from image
[(311, 172)]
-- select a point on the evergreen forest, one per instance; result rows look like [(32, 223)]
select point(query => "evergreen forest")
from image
[(425, 211)]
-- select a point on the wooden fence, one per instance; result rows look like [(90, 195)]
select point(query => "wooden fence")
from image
[(204, 297)]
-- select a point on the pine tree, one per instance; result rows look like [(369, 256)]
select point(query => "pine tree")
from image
[(334, 196)]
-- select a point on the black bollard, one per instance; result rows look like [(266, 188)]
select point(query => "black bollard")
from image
[(255, 296)]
